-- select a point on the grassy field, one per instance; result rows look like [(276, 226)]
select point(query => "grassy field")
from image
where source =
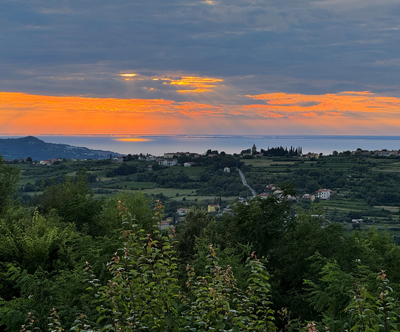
[(388, 208), (192, 172), (170, 192), (346, 204), (205, 198)]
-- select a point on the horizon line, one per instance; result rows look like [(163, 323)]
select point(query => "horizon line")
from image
[(198, 135)]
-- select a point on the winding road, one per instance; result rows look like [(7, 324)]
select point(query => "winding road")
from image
[(246, 184)]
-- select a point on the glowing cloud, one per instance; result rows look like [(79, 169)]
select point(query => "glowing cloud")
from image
[(127, 75), (341, 104), (346, 112), (196, 84), (184, 84)]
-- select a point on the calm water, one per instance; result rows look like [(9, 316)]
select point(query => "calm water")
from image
[(157, 145)]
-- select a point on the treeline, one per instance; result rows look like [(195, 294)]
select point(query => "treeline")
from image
[(124, 169), (279, 151), (168, 178), (73, 262), (216, 162), (40, 184), (282, 152)]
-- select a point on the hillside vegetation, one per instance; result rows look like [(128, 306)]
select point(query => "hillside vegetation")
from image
[(36, 149), (365, 187), (73, 261)]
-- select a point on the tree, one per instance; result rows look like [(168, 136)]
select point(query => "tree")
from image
[(143, 291), (8, 179), (74, 202), (186, 233), (358, 301), (136, 204), (33, 251), (262, 223)]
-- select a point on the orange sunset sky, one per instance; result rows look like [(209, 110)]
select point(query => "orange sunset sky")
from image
[(200, 67), (273, 113)]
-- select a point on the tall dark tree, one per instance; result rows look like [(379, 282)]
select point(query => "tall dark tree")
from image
[(8, 179)]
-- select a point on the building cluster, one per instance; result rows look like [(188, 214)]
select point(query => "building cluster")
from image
[(311, 155), (169, 158), (273, 190), (324, 194), (377, 153)]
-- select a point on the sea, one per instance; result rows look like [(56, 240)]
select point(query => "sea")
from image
[(159, 144)]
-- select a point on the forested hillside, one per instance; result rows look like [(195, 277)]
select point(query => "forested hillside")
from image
[(36, 149), (71, 260)]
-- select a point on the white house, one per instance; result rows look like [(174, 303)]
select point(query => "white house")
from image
[(324, 193), (170, 162)]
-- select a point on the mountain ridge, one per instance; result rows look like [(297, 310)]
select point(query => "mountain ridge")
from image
[(37, 149)]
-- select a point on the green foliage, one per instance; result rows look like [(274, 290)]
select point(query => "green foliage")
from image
[(357, 301), (124, 169), (136, 204), (34, 241), (374, 310), (332, 295), (54, 322), (35, 256), (146, 285), (262, 222), (8, 179), (217, 304), (142, 293), (220, 183), (196, 220), (73, 202)]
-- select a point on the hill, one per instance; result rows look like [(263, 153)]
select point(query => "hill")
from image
[(15, 148)]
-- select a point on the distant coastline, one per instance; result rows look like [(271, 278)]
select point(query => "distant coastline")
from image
[(158, 144), (369, 137)]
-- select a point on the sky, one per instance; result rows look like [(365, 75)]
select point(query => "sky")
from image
[(238, 67)]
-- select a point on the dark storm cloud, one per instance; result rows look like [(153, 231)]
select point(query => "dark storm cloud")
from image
[(80, 47)]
